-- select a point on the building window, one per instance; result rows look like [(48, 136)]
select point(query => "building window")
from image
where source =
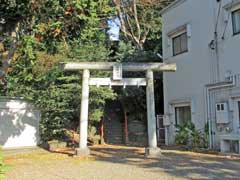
[(180, 44), (236, 21), (182, 114), (222, 116)]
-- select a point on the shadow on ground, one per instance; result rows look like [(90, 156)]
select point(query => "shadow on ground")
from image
[(176, 163)]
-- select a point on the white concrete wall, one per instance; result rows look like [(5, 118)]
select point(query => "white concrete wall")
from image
[(193, 67), (198, 66), (19, 124), (229, 47)]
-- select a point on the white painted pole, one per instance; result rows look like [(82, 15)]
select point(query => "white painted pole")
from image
[(84, 109), (152, 131)]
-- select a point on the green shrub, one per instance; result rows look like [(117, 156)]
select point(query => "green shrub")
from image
[(188, 135)]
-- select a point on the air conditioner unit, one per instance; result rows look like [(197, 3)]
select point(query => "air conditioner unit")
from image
[(222, 113)]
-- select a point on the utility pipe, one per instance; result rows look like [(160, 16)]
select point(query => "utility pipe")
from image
[(209, 88)]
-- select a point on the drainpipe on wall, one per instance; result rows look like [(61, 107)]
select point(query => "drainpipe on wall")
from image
[(209, 88)]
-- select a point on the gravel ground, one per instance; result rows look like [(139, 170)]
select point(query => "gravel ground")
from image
[(119, 162)]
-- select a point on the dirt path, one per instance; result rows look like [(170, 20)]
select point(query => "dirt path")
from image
[(119, 162)]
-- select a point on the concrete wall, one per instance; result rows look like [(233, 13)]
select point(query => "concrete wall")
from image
[(19, 124), (230, 46), (198, 66)]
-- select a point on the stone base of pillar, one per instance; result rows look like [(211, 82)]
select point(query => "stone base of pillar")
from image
[(153, 152), (126, 141), (82, 152)]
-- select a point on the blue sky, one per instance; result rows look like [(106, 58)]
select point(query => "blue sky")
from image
[(114, 28)]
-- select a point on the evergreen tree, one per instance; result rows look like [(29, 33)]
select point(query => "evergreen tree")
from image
[(49, 32), (36, 35)]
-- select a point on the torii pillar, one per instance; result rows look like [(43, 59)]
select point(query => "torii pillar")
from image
[(83, 150), (152, 149)]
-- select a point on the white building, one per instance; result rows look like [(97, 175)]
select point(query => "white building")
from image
[(19, 124), (203, 38)]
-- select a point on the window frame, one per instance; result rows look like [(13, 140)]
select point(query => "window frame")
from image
[(221, 107), (177, 121), (234, 23), (180, 38)]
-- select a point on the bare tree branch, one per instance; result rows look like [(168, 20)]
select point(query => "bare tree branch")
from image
[(134, 25), (131, 30), (144, 37), (136, 18), (123, 26)]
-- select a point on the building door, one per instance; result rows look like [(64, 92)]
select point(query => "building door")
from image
[(160, 130)]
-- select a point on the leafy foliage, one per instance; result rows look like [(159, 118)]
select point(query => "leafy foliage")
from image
[(187, 134), (54, 31), (141, 34), (141, 21), (49, 31), (12, 9), (134, 102), (134, 98), (38, 78)]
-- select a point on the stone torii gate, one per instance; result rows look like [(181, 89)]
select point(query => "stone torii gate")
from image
[(117, 80)]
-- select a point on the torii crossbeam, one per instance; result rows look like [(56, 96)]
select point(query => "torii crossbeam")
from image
[(117, 80)]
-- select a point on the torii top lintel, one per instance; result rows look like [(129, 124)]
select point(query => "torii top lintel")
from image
[(108, 66)]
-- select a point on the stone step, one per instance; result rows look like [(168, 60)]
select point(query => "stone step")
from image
[(114, 132), (115, 140), (117, 126), (113, 135)]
